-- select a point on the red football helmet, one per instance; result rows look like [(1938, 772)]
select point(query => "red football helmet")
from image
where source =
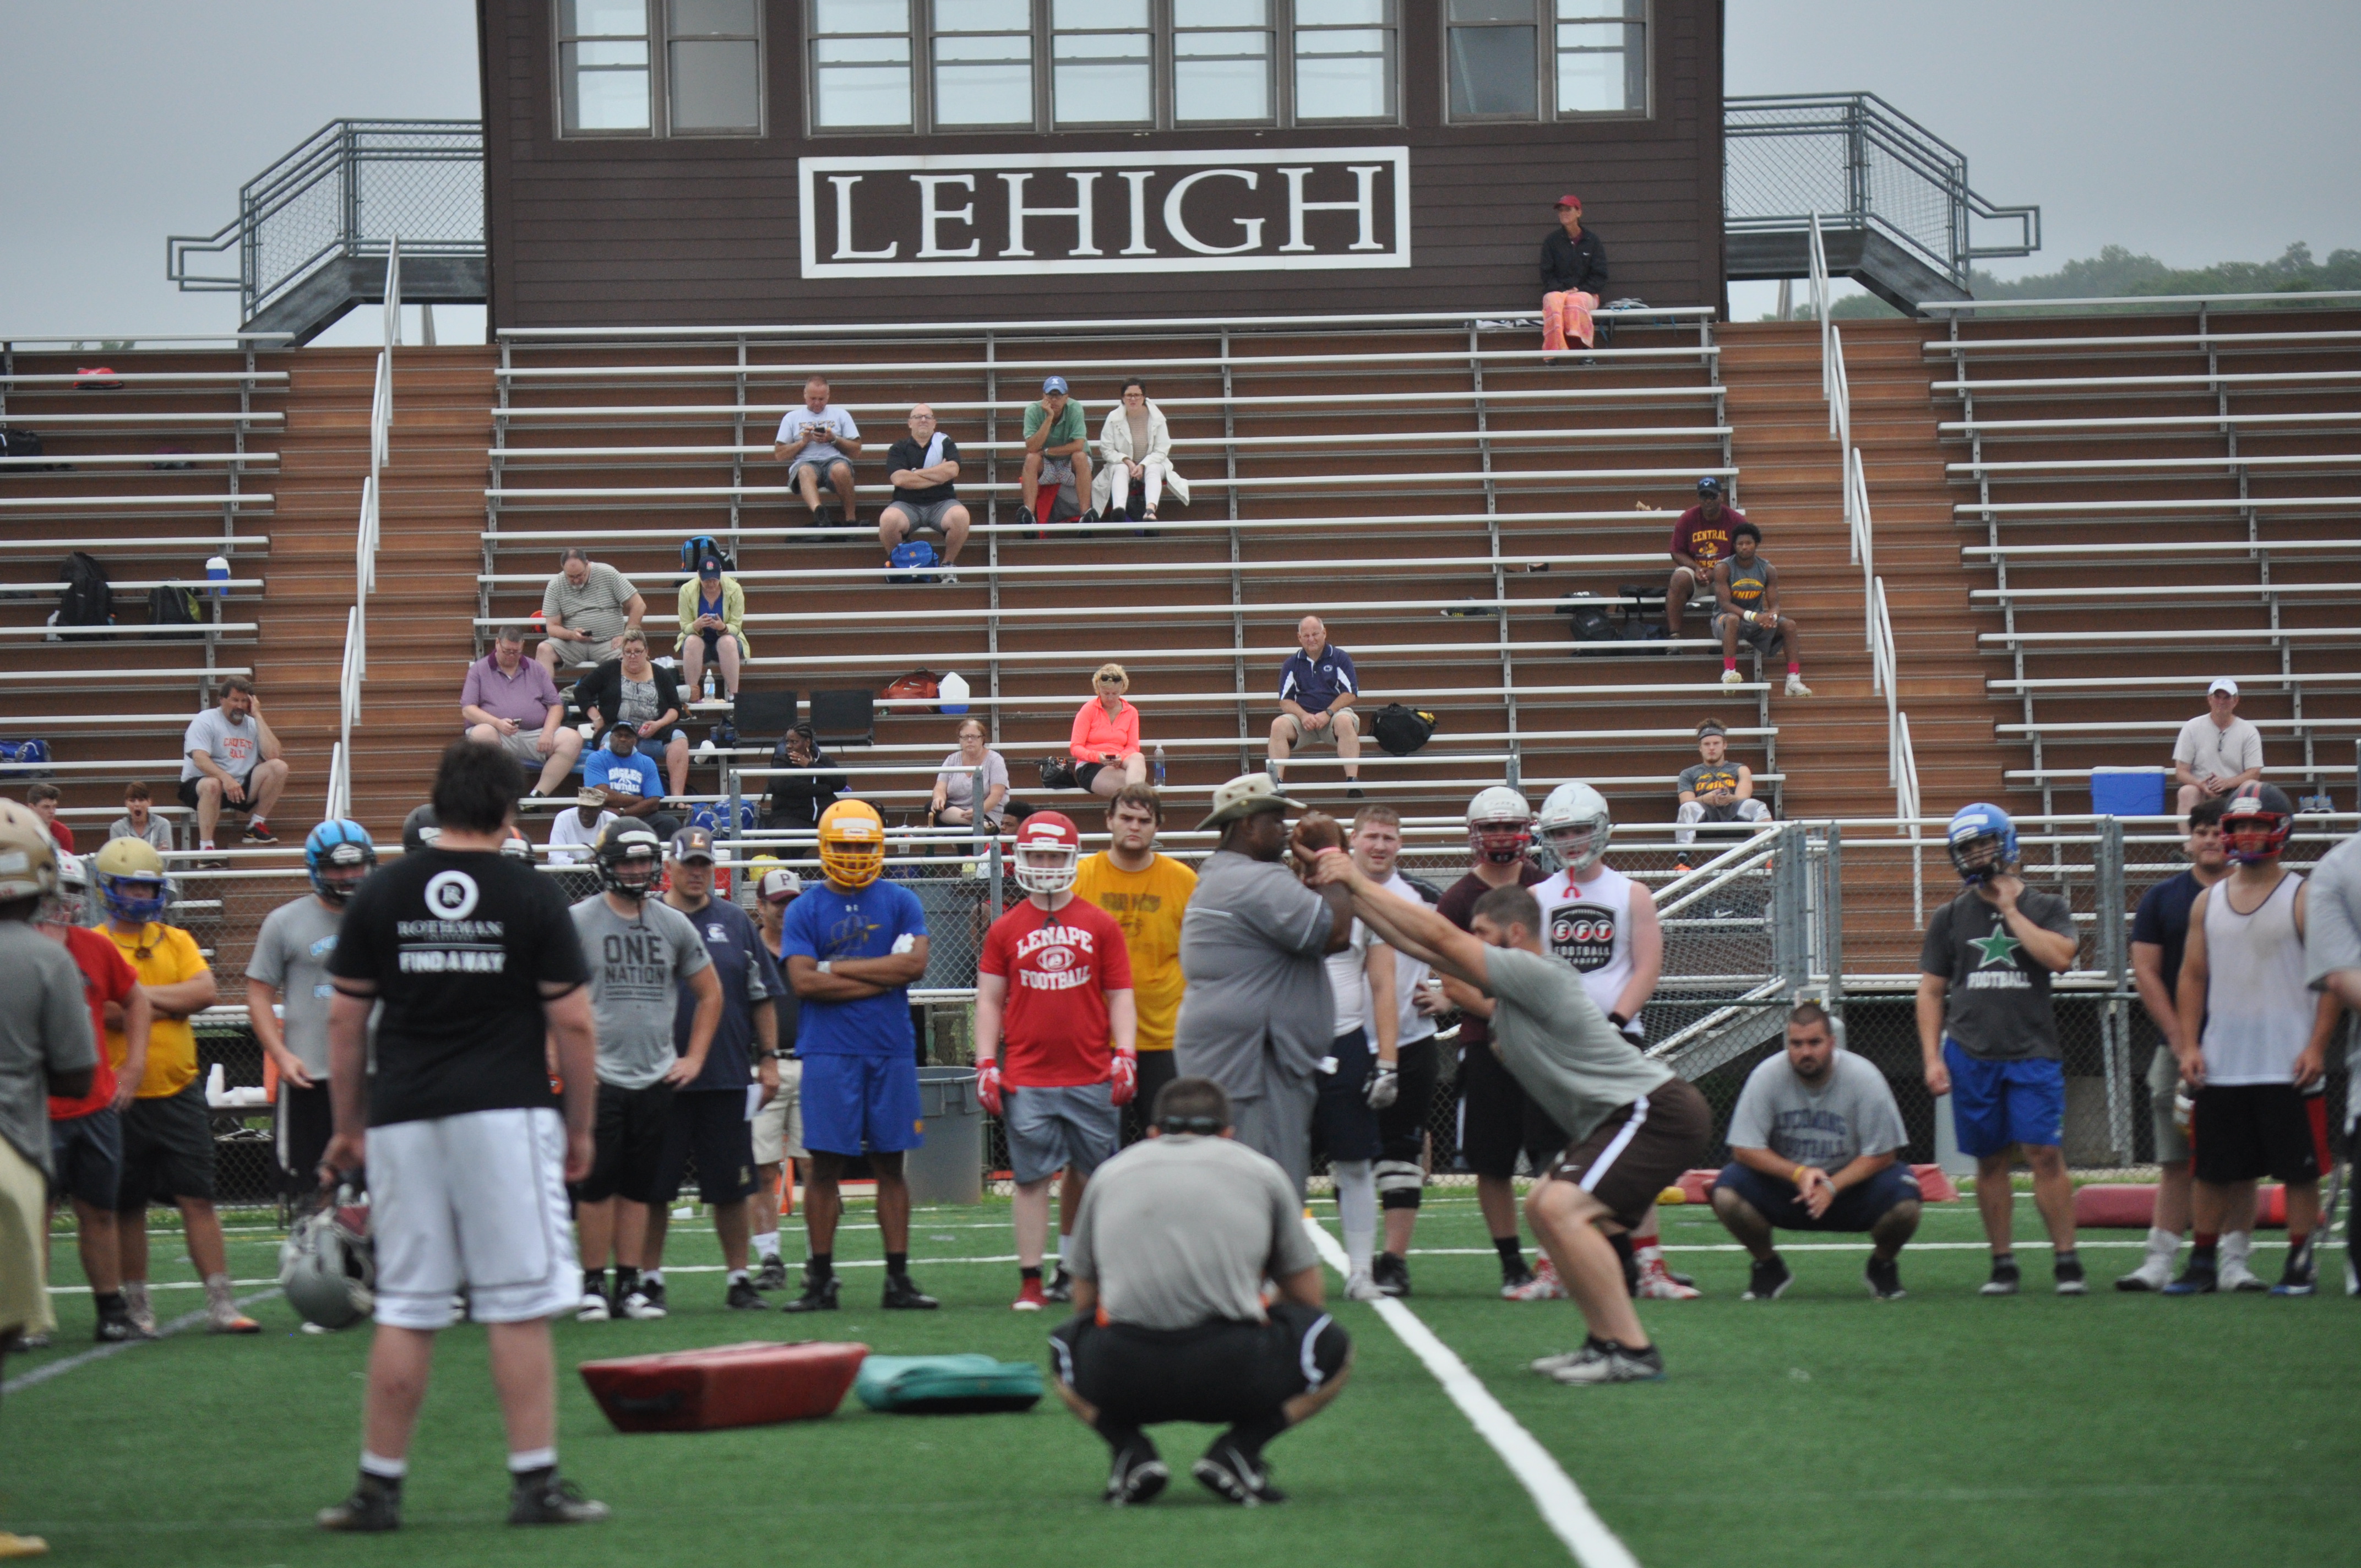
[(1049, 848)]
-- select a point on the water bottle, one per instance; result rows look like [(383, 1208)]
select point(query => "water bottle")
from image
[(1159, 764), (708, 686)]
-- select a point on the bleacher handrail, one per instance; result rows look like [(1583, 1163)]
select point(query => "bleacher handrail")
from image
[(354, 667), (2278, 297), (935, 332)]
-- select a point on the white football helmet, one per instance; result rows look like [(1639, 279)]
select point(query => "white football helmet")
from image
[(1574, 826), (69, 905), (1499, 825), (327, 1265)]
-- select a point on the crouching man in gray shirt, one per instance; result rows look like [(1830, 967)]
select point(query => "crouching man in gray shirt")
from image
[(1812, 1147), (1174, 1241)]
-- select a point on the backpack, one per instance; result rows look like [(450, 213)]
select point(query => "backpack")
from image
[(171, 604), (698, 546), (1401, 730), (1058, 772), (87, 598), (28, 755), (909, 561), (22, 443), (946, 1385), (1587, 621), (918, 686)]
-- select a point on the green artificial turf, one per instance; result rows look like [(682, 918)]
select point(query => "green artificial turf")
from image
[(1821, 1429)]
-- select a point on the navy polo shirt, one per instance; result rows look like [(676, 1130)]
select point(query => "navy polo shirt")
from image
[(1314, 682)]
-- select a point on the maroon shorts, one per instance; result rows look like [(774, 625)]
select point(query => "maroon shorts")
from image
[(1640, 1150)]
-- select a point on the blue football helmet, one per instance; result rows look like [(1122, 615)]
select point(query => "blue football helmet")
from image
[(340, 855), (1972, 827)]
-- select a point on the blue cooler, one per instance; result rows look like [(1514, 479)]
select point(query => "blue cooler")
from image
[(2127, 791)]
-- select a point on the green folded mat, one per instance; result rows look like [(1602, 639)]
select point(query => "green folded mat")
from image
[(946, 1385)]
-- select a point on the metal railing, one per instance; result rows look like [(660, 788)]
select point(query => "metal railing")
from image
[(345, 193), (1786, 157), (355, 668)]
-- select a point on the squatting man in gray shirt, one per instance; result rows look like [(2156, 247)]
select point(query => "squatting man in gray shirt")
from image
[(1171, 1245)]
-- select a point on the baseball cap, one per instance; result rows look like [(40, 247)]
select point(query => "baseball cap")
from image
[(692, 844), (781, 884), (1708, 486), (710, 569), (1570, 201), (1054, 384), (2226, 685)]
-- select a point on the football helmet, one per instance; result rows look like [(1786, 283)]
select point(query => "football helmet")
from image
[(29, 856), (851, 843), (2255, 822), (1049, 848), (70, 904), (327, 1265), (1574, 826), (630, 857), (340, 855), (130, 877), (1972, 828), (1499, 825), (420, 829)]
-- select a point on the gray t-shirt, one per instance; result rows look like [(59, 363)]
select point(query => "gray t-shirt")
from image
[(2332, 937), (1850, 1114), (158, 833), (1559, 1046), (638, 703), (636, 966), (600, 606), (958, 779), (1181, 1231), (235, 747), (1251, 947), (291, 955), (2210, 751), (44, 1027), (836, 425), (1996, 1004)]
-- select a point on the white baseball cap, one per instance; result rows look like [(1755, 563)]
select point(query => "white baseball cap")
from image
[(2224, 685)]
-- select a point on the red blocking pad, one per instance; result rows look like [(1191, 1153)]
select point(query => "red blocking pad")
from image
[(2133, 1207), (748, 1385)]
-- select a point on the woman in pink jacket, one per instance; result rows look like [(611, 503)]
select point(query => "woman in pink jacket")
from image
[(1106, 744)]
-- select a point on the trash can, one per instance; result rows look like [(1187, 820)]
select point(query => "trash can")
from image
[(948, 1167), (2127, 791)]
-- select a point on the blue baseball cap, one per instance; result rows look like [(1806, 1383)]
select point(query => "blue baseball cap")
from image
[(1708, 486), (1054, 384)]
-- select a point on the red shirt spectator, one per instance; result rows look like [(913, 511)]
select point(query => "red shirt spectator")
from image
[(1059, 964), (43, 798), (107, 976), (1703, 540)]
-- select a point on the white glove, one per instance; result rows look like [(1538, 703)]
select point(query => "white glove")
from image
[(1385, 1088)]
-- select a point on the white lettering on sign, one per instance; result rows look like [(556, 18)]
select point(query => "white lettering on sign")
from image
[(1254, 210)]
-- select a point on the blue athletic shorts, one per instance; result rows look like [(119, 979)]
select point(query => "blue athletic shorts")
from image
[(1857, 1208), (1996, 1103), (861, 1104)]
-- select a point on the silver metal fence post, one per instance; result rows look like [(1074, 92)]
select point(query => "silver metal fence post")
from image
[(1832, 907), (993, 860), (2112, 956), (1790, 920)]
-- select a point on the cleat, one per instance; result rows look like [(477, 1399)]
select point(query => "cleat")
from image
[(1768, 1280), (1549, 1365), (2003, 1282), (1030, 1299), (2234, 1275), (1363, 1287), (2300, 1280), (902, 1295), (2195, 1280), (1391, 1274), (773, 1275), (1612, 1363), (2071, 1280), (1514, 1280), (745, 1297), (135, 1302), (553, 1502), (117, 1328), (1541, 1286), (1138, 1473), (31, 1341), (1060, 1286), (2153, 1275), (642, 1307), (820, 1295), (1884, 1276), (592, 1308), (1658, 1283), (1795, 686), (223, 1318), (1230, 1475), (372, 1509)]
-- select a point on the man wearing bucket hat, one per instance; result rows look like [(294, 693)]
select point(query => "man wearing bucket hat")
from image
[(1256, 1015)]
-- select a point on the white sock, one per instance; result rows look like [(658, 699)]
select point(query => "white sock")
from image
[(651, 1275), (737, 1277), (218, 1290), (766, 1246), (381, 1467), (2236, 1247), (1357, 1207), (2162, 1243), (525, 1460)]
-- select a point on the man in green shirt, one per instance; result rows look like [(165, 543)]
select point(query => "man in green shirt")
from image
[(1056, 449)]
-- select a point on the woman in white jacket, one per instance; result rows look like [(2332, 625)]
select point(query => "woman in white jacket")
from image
[(1134, 445)]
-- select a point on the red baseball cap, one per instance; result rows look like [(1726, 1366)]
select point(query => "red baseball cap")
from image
[(1574, 201)]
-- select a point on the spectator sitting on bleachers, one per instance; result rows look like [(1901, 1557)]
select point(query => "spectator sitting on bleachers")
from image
[(585, 611), (921, 468), (954, 803), (712, 626), (1700, 538), (797, 800), (1715, 790), (628, 781), (513, 702), (1104, 747), (637, 691), (139, 821), (573, 834), (2217, 751), (230, 762), (1574, 273), (1317, 689), (43, 798), (1134, 445), (820, 440), (1746, 605), (1056, 449)]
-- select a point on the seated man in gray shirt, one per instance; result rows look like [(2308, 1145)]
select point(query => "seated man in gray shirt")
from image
[(1813, 1147), (1172, 1243)]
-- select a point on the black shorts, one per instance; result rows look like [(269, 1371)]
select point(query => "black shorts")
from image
[(1497, 1119), (1155, 1070), (1401, 1126), (708, 1125), (86, 1159), (1223, 1372), (630, 1144), (189, 796), (1085, 772), (167, 1150), (1642, 1148), (1343, 1125), (2245, 1131), (306, 1118)]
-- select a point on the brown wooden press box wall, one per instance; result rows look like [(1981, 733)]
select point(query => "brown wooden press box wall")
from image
[(652, 232)]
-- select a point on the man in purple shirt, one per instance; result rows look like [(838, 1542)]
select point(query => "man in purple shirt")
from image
[(511, 701)]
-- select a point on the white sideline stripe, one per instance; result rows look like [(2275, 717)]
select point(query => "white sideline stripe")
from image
[(99, 1353), (1562, 1507)]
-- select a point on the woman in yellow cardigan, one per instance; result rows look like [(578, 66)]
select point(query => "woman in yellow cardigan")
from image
[(712, 626)]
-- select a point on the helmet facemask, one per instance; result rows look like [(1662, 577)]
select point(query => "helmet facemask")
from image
[(1503, 843), (1579, 846), (1980, 859)]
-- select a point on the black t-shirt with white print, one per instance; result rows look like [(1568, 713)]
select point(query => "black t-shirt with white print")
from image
[(458, 943)]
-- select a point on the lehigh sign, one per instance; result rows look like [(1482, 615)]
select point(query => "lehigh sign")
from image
[(1249, 211)]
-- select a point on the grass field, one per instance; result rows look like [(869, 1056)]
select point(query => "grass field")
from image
[(1821, 1429)]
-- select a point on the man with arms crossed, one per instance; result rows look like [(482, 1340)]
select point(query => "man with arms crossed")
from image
[(1418, 997), (1054, 1031), (1171, 1323), (1146, 894), (480, 974), (1634, 1126), (1988, 1036), (921, 468), (1812, 1147)]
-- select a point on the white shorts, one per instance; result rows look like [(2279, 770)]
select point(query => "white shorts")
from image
[(779, 1127), (476, 1199)]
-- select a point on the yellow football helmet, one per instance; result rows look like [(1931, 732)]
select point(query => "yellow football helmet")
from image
[(851, 843)]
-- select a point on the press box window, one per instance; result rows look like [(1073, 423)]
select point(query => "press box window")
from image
[(860, 65), (984, 64), (690, 67), (1221, 62), (1594, 60)]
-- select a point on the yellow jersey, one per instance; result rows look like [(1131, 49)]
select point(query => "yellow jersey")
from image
[(159, 954), (1147, 905)]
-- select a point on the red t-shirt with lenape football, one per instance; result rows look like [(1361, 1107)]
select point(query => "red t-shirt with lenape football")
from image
[(1059, 964), (107, 976)]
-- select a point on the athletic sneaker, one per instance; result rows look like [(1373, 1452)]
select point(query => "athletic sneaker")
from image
[(31, 1341), (553, 1501), (1795, 686), (260, 833), (2301, 1278), (820, 1295), (772, 1275), (2234, 1274), (644, 1304), (745, 1297), (903, 1295), (1138, 1473), (1514, 1279), (1548, 1365), (1392, 1273), (117, 1328), (593, 1308), (222, 1317), (1658, 1283), (1029, 1299), (1884, 1277), (1614, 1364), (654, 1289), (2003, 1282), (1732, 678), (1542, 1286), (1768, 1280), (1363, 1287), (2197, 1279), (2154, 1273), (373, 1507), (134, 1301), (1060, 1286), (1227, 1473), (2069, 1277)]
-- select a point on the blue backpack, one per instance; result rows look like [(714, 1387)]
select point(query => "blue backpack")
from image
[(909, 561), (29, 756)]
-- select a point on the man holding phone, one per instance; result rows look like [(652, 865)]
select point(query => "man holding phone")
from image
[(816, 440)]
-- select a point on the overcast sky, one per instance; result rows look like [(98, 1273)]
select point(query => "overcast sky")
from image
[(2195, 132)]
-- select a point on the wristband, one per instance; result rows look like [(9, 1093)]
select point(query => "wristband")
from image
[(823, 966), (1617, 1019), (1796, 1177)]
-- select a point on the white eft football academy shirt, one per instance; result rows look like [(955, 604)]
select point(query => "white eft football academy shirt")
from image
[(1588, 925)]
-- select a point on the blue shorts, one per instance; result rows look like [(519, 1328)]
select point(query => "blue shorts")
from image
[(1857, 1208), (1996, 1103), (855, 1104)]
